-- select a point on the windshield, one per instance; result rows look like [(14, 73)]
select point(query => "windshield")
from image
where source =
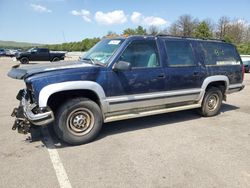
[(102, 51)]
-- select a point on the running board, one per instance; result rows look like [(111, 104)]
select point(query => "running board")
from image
[(151, 112)]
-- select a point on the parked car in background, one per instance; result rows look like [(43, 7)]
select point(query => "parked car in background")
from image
[(11, 52), (39, 54), (247, 66), (2, 52)]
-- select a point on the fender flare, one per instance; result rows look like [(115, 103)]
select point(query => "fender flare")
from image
[(48, 90), (211, 79)]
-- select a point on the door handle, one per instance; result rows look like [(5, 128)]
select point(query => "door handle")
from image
[(196, 73), (161, 76)]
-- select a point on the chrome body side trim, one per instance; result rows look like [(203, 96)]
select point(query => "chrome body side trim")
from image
[(234, 88), (127, 102), (151, 112), (48, 90)]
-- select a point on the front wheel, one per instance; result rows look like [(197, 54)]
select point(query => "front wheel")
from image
[(78, 121), (24, 60), (211, 103)]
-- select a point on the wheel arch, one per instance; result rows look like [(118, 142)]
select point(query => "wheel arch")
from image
[(55, 57), (72, 89), (214, 81)]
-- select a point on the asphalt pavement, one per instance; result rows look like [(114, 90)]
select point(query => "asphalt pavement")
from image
[(178, 149)]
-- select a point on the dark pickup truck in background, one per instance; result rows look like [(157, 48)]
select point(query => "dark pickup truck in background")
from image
[(39, 54)]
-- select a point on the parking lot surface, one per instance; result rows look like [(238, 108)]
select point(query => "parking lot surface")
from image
[(178, 149)]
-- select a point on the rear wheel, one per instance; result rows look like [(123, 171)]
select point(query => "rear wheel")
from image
[(78, 121), (55, 59), (211, 103), (24, 60)]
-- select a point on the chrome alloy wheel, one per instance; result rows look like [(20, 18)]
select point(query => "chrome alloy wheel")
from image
[(80, 121)]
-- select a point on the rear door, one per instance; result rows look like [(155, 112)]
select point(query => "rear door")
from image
[(183, 70), (42, 54)]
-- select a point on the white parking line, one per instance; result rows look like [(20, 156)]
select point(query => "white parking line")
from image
[(61, 174)]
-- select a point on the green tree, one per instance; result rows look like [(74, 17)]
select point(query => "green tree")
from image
[(228, 38), (140, 30), (137, 31), (129, 32), (203, 31), (244, 48)]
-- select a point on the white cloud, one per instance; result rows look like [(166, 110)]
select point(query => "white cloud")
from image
[(85, 14), (119, 17), (110, 18), (39, 8), (138, 18)]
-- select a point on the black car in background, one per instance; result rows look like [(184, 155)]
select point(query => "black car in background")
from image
[(247, 66), (39, 54), (2, 52)]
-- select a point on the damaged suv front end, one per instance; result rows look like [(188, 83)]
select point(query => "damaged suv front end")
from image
[(33, 109), (29, 114)]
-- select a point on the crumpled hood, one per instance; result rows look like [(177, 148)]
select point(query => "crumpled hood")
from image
[(23, 71)]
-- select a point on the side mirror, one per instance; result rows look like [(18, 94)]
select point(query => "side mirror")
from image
[(122, 66), (33, 52)]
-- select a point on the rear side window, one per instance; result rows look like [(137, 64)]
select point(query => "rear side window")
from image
[(179, 53), (215, 53), (43, 50)]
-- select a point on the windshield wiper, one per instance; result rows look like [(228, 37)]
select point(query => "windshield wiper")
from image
[(89, 60), (93, 61)]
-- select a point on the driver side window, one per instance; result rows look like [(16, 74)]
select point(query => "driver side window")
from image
[(141, 54)]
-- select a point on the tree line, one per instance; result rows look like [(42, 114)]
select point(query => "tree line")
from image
[(235, 31)]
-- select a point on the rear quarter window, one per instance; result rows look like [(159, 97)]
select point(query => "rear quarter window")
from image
[(215, 53), (43, 50)]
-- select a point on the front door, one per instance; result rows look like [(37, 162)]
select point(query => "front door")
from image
[(139, 86)]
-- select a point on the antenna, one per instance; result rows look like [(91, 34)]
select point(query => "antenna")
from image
[(63, 36)]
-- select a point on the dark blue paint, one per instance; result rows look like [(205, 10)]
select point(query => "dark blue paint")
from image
[(136, 81)]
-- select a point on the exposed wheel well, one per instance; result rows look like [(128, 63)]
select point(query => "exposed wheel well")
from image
[(23, 57), (53, 58), (56, 99), (219, 84)]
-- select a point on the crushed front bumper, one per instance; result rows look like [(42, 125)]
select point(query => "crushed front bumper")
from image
[(29, 114)]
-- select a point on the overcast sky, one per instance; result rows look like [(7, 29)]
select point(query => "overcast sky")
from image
[(57, 21)]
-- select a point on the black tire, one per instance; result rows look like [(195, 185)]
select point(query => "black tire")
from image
[(55, 59), (211, 103), (24, 60), (78, 121)]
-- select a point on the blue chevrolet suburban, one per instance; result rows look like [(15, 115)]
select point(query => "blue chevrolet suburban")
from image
[(122, 78)]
